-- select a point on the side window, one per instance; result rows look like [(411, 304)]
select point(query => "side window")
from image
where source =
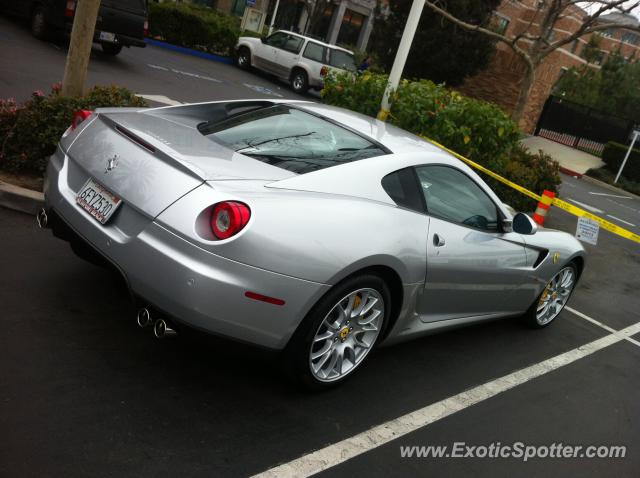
[(293, 44), (403, 188), (277, 39), (452, 195), (314, 52)]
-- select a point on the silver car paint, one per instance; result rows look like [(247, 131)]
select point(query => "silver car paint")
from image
[(306, 233)]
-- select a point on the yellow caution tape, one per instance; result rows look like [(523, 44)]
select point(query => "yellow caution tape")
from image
[(570, 208)]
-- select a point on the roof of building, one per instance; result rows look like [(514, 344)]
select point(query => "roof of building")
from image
[(618, 17)]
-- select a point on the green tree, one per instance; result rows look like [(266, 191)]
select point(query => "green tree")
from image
[(613, 89), (591, 51), (441, 50)]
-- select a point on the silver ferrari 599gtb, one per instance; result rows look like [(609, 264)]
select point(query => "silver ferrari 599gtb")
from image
[(299, 227)]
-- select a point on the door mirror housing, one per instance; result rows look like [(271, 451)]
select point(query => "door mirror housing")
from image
[(263, 39), (523, 224)]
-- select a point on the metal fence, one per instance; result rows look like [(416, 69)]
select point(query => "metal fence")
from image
[(581, 127)]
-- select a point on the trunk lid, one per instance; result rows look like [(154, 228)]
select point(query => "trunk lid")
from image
[(155, 160)]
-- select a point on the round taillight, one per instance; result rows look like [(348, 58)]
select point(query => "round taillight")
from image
[(79, 117), (228, 218)]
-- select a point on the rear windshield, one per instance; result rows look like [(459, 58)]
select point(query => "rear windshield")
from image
[(291, 139), (341, 59)]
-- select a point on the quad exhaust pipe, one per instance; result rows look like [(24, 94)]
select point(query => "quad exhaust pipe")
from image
[(144, 317), (161, 327), (42, 219)]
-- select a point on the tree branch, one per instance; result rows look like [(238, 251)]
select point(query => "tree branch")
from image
[(477, 28)]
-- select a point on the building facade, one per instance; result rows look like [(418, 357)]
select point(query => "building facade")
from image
[(500, 81), (343, 22)]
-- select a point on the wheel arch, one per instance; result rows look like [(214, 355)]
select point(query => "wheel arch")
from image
[(390, 275), (298, 68)]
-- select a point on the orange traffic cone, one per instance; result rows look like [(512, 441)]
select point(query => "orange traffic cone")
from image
[(543, 206)]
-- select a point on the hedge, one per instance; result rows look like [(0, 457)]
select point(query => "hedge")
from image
[(30, 132), (476, 129), (194, 26), (613, 155)]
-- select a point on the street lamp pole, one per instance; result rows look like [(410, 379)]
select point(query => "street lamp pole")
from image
[(624, 161), (401, 56), (273, 16)]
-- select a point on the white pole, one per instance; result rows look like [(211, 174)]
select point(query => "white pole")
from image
[(401, 56), (273, 16), (624, 161)]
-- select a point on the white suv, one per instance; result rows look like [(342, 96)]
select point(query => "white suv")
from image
[(301, 60)]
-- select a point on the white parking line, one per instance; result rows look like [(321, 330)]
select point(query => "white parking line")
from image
[(611, 195), (160, 99), (621, 220), (586, 206), (599, 324), (377, 436)]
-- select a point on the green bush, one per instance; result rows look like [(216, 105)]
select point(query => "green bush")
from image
[(194, 26), (30, 132), (613, 155), (476, 129), (603, 174)]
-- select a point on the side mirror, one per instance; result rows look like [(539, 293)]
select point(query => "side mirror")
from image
[(523, 224), (263, 39)]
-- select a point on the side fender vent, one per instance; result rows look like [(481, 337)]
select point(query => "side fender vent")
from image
[(542, 255)]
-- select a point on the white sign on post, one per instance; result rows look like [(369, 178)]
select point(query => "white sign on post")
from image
[(587, 230)]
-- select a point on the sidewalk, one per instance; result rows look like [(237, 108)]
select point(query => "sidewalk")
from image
[(20, 199), (572, 161)]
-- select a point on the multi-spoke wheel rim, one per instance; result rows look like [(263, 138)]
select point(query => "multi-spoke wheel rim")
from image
[(346, 335), (243, 59), (298, 82), (555, 295)]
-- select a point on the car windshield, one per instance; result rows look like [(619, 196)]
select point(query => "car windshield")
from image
[(290, 138), (341, 59)]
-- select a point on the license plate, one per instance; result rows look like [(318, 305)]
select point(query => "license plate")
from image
[(106, 36), (97, 201)]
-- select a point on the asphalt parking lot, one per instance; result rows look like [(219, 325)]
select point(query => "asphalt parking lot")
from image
[(85, 392), (27, 64)]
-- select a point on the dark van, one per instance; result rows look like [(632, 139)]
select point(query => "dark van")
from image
[(120, 22)]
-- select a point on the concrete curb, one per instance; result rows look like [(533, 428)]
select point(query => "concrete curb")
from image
[(571, 172), (608, 186), (189, 51), (20, 199)]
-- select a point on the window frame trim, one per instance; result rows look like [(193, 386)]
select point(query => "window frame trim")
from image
[(324, 51), (500, 216)]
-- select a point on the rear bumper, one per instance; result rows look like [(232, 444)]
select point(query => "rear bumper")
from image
[(192, 286), (123, 40)]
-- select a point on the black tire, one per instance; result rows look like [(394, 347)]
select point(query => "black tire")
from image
[(299, 81), (111, 49), (297, 354), (243, 59), (530, 316), (39, 27)]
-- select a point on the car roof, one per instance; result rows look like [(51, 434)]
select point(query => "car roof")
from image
[(315, 40), (395, 139)]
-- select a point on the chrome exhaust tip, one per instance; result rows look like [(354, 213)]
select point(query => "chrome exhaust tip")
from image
[(161, 329), (42, 218), (144, 317)]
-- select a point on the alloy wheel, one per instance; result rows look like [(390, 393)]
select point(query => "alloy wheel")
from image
[(346, 335), (298, 82), (555, 295)]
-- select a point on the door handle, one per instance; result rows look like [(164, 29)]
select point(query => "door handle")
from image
[(438, 240)]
